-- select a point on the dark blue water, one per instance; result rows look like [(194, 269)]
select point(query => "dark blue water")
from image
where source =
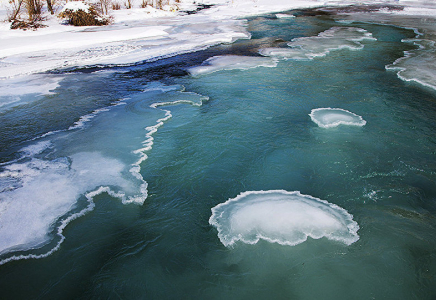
[(220, 135)]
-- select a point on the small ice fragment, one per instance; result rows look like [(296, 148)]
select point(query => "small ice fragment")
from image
[(333, 117)]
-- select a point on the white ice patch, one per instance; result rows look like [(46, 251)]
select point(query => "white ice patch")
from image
[(418, 65), (231, 62), (35, 194), (333, 117), (284, 53), (278, 216), (12, 91), (334, 38)]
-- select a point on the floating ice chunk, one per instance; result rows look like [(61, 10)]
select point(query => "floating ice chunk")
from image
[(284, 16), (278, 216), (231, 62), (332, 117), (334, 38)]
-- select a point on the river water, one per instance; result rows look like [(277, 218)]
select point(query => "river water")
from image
[(307, 172)]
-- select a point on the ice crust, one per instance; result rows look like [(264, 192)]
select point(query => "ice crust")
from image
[(332, 39), (278, 216), (333, 117)]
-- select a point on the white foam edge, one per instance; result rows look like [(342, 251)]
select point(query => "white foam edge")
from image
[(361, 122), (147, 144), (83, 120), (352, 227)]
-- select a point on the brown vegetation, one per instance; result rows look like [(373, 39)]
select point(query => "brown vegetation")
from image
[(82, 18)]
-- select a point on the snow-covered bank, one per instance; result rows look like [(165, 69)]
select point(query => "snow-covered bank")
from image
[(140, 34)]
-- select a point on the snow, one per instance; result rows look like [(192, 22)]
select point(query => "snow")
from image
[(75, 6), (140, 34)]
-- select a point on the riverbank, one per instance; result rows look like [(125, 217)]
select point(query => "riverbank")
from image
[(141, 34)]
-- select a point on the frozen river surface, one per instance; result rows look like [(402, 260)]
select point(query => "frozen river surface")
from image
[(293, 165)]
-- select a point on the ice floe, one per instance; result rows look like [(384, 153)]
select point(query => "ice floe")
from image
[(333, 117), (283, 217)]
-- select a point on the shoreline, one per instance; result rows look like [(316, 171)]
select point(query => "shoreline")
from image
[(125, 42)]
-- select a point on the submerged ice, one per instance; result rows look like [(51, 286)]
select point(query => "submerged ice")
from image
[(333, 117), (283, 217), (231, 62)]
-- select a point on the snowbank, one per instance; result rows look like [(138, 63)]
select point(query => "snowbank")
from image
[(140, 34)]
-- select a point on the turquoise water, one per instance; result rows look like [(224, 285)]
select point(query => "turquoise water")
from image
[(220, 135)]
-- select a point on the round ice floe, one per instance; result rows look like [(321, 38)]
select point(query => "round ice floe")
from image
[(278, 216), (332, 117)]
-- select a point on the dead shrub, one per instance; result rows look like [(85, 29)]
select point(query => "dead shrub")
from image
[(34, 14), (24, 25), (144, 3), (82, 18)]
